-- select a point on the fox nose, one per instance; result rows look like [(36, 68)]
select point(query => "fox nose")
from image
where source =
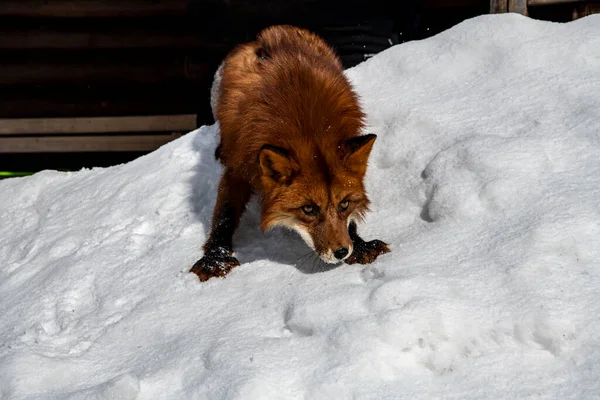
[(340, 253)]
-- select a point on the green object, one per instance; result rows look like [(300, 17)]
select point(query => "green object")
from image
[(16, 174), (13, 174)]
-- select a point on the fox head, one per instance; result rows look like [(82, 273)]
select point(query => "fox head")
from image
[(316, 192)]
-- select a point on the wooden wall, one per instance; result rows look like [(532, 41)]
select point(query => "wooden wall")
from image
[(75, 58), (87, 67), (63, 58)]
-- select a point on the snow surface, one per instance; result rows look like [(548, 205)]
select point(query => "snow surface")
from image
[(485, 181)]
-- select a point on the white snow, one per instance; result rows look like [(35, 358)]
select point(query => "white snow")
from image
[(485, 181)]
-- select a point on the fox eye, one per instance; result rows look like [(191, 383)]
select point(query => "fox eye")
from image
[(309, 209), (344, 205)]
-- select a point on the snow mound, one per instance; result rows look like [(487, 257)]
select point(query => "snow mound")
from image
[(485, 181)]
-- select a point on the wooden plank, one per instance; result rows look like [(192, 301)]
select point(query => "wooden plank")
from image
[(167, 33), (518, 6), (57, 144), (111, 38), (550, 2), (583, 10), (52, 126), (105, 100), (498, 6), (450, 3), (91, 8), (39, 68)]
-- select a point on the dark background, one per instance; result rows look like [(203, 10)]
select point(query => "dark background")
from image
[(115, 58)]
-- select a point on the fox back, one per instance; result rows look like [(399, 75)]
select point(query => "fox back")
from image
[(290, 125)]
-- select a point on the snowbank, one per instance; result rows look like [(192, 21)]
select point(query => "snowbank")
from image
[(485, 181)]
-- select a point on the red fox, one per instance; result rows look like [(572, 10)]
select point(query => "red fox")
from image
[(289, 125)]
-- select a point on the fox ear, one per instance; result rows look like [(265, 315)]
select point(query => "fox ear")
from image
[(276, 164), (357, 151)]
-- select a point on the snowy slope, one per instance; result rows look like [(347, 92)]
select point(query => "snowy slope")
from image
[(485, 181)]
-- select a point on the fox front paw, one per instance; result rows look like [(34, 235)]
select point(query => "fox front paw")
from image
[(367, 252), (214, 264)]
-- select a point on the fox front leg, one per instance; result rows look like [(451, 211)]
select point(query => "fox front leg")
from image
[(218, 260), (364, 252)]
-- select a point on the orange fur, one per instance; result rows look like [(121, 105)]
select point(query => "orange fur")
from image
[(290, 126)]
